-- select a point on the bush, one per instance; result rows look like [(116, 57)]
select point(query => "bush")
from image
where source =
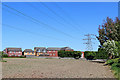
[(3, 61), (115, 66), (90, 55), (111, 61), (102, 54), (75, 54), (22, 56), (5, 55), (118, 50)]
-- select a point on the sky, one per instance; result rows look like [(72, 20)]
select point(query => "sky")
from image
[(53, 24)]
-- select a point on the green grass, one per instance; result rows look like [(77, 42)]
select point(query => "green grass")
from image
[(115, 66), (3, 61), (48, 58)]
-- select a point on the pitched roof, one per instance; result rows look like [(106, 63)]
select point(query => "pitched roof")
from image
[(53, 48), (40, 48), (28, 50), (14, 49), (66, 48)]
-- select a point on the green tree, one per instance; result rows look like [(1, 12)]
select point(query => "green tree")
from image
[(110, 48), (118, 45), (1, 56), (110, 30)]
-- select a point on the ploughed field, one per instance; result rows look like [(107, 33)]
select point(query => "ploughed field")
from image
[(53, 68)]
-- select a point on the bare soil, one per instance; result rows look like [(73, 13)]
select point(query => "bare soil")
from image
[(53, 68)]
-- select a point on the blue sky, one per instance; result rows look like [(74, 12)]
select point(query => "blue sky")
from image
[(59, 24)]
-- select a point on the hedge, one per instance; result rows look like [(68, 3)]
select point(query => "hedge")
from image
[(90, 55), (75, 54), (5, 55), (100, 54)]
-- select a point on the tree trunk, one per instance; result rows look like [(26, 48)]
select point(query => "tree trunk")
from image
[(110, 56)]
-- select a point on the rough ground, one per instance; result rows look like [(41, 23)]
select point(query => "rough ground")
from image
[(53, 68)]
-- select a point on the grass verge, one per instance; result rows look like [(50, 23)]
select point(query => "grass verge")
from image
[(3, 61), (115, 66)]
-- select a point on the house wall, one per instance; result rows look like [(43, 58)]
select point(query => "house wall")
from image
[(31, 53), (38, 53), (14, 53), (52, 53)]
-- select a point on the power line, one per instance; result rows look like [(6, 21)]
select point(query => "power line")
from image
[(19, 15), (37, 9), (67, 15), (35, 33), (46, 25), (24, 29), (59, 16)]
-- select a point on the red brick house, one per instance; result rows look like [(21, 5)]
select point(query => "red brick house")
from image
[(53, 51), (13, 51)]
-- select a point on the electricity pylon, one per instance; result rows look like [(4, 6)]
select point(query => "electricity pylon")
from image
[(89, 42)]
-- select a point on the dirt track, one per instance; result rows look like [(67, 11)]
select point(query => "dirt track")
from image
[(53, 68)]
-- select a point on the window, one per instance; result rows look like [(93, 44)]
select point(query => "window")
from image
[(53, 51), (38, 50), (44, 51), (50, 54), (14, 52), (10, 51), (26, 53), (19, 51), (53, 54), (29, 52), (32, 52), (49, 51)]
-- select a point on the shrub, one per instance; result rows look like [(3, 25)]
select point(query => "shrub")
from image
[(3, 61), (90, 55), (101, 54), (5, 55), (115, 66), (22, 56), (118, 45), (111, 61), (75, 54)]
